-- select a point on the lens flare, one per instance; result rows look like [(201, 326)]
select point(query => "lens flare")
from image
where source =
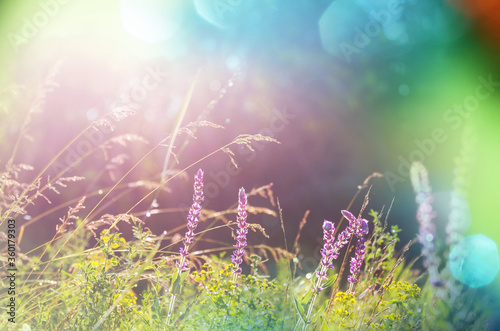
[(474, 260)]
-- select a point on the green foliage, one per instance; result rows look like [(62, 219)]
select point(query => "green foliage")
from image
[(380, 248), (253, 303), (99, 281), (400, 307)]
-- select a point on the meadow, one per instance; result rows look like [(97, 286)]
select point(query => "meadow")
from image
[(105, 271)]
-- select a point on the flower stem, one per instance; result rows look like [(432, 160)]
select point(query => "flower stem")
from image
[(313, 299), (174, 296), (317, 286), (170, 309), (350, 287)]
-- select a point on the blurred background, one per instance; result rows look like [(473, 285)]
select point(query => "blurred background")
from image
[(349, 87)]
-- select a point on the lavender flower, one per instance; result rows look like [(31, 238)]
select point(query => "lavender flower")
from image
[(192, 219), (356, 261), (194, 213), (331, 251), (344, 237), (328, 250), (241, 238), (358, 227), (427, 232)]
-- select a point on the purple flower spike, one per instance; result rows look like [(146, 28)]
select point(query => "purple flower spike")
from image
[(328, 249), (358, 227), (241, 233), (346, 234), (357, 260), (194, 213)]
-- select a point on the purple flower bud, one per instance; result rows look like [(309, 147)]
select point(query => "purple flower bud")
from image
[(349, 216), (363, 225)]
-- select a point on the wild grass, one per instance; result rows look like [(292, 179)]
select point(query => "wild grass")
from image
[(143, 282)]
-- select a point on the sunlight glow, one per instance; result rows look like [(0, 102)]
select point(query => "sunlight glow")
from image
[(152, 21)]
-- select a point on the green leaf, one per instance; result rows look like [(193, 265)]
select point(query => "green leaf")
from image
[(184, 275), (300, 309), (330, 282), (155, 309), (177, 281), (174, 282), (306, 298)]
